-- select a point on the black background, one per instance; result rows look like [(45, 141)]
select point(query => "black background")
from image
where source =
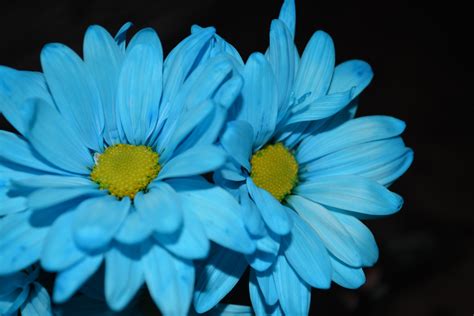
[(421, 57)]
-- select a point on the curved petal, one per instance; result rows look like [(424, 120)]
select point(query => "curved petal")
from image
[(346, 276), (55, 140), (218, 212), (97, 220), (259, 98), (103, 59), (160, 208), (333, 234), (288, 16), (134, 229), (39, 303), (121, 35), (273, 213), (353, 132), (45, 198), (170, 281), (351, 75), (60, 251), (216, 279), (307, 255), (351, 193), (237, 140), (69, 281), (123, 275), (195, 161), (267, 286), (18, 235), (139, 91), (15, 88), (293, 293), (316, 67), (74, 92)]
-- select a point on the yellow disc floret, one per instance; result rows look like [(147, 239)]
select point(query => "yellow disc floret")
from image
[(274, 168), (124, 170)]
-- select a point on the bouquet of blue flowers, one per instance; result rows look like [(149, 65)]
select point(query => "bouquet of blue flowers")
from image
[(132, 174)]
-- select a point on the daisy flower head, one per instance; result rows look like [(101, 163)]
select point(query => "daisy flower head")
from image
[(21, 293), (305, 172), (107, 167)]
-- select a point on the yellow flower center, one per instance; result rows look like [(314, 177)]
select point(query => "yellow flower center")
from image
[(274, 168), (124, 170)]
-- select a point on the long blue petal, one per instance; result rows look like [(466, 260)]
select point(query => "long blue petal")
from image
[(307, 255), (45, 198), (353, 132), (48, 132), (316, 67), (333, 234), (39, 303), (288, 16), (97, 220), (195, 161), (170, 281), (267, 286), (134, 229), (346, 276), (216, 279), (103, 59), (15, 88), (294, 294), (69, 281), (123, 275), (351, 75), (75, 92), (351, 193), (273, 213)]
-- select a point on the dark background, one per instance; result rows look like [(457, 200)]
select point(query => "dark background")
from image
[(422, 63)]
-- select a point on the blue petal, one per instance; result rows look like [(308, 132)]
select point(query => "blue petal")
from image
[(39, 303), (103, 59), (267, 286), (307, 255), (353, 132), (74, 92), (139, 91), (160, 208), (322, 107), (256, 297), (15, 88), (170, 281), (346, 276), (21, 153), (195, 161), (281, 57), (178, 64), (231, 310), (11, 205), (190, 242), (288, 16), (120, 37), (294, 294), (362, 236), (134, 229), (218, 212), (333, 234), (229, 91), (60, 251), (10, 303), (69, 281), (55, 140), (351, 193), (379, 160), (351, 75), (268, 248), (316, 67), (273, 213), (98, 220), (123, 275), (251, 215), (54, 182), (45, 198), (20, 245), (237, 140), (220, 274), (259, 98)]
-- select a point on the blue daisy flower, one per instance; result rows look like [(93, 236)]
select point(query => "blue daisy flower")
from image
[(19, 292), (108, 167), (305, 173)]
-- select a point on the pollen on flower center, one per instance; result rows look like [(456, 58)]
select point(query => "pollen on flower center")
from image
[(274, 168), (124, 170)]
